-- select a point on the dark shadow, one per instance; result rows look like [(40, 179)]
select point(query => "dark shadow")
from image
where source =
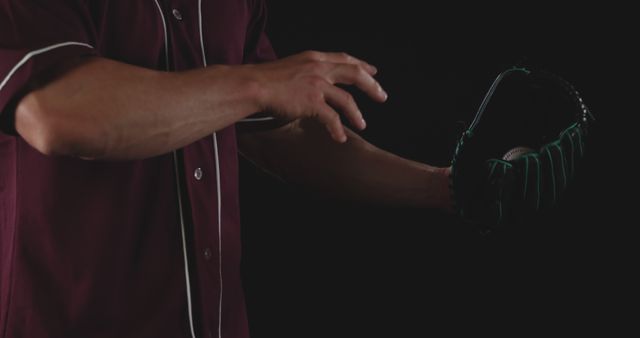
[(325, 268)]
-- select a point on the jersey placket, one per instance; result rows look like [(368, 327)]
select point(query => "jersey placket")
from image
[(198, 183)]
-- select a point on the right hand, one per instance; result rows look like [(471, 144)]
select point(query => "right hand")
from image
[(304, 86)]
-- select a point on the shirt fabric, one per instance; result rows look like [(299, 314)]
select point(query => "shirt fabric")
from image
[(147, 248)]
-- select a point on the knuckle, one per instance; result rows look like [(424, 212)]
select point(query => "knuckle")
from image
[(315, 67), (354, 69), (312, 54), (315, 94), (315, 97), (362, 73), (334, 119), (345, 56), (328, 116), (317, 83), (358, 72), (348, 98)]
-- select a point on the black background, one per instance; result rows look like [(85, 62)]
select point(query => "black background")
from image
[(316, 267)]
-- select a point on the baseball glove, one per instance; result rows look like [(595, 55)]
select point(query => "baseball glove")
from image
[(522, 149)]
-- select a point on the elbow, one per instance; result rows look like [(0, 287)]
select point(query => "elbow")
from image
[(53, 133), (36, 126)]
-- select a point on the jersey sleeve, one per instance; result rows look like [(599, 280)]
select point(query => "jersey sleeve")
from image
[(35, 37), (258, 49)]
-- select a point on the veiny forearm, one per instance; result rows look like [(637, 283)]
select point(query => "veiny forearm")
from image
[(103, 109), (302, 153)]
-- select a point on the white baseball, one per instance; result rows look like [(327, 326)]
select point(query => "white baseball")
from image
[(516, 152)]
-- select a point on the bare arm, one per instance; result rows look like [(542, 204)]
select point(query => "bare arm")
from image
[(102, 109), (301, 153), (109, 110)]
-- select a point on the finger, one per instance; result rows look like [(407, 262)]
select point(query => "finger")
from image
[(348, 59), (344, 102), (344, 58), (330, 118), (354, 75)]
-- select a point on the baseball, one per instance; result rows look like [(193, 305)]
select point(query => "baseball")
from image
[(516, 152)]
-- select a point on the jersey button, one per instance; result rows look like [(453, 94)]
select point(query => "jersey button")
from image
[(177, 14), (198, 174)]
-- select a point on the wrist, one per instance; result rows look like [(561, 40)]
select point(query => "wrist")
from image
[(251, 88), (236, 86)]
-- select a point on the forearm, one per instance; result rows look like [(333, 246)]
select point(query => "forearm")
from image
[(102, 109), (302, 153)]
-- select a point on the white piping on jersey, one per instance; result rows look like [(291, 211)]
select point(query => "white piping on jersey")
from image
[(31, 54), (179, 188), (204, 54), (166, 37), (184, 245), (218, 182), (215, 147)]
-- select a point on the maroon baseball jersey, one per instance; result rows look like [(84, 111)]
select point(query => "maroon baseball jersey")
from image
[(142, 249)]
